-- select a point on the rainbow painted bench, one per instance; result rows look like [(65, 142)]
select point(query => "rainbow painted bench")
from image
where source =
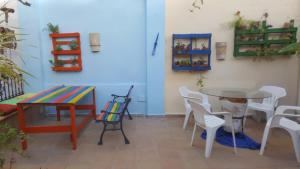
[(8, 108), (113, 113)]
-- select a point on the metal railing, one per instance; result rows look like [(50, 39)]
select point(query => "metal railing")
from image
[(10, 88)]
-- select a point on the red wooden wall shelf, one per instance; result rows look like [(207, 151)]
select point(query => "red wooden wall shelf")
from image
[(62, 58)]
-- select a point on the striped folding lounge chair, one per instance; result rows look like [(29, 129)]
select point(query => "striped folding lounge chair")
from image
[(113, 113)]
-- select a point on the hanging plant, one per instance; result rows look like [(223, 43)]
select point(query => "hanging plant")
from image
[(9, 69), (74, 61), (292, 48), (8, 39), (200, 82), (196, 5)]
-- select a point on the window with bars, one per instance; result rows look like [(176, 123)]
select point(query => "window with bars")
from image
[(10, 88)]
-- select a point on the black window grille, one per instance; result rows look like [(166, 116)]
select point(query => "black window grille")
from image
[(11, 87)]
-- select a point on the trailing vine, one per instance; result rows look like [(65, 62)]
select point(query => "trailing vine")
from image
[(200, 82), (196, 5)]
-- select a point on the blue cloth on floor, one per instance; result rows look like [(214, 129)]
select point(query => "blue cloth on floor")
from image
[(242, 141)]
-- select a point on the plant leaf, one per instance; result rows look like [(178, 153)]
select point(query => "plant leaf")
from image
[(294, 47)]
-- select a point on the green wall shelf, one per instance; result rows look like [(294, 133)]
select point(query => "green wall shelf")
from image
[(263, 42)]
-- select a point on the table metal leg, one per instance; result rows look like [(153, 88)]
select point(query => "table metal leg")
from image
[(238, 112), (73, 126)]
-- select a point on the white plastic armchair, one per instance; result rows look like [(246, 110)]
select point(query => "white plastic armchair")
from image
[(269, 104), (283, 120), (209, 121), (201, 98)]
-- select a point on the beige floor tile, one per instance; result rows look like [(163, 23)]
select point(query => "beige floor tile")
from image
[(155, 143)]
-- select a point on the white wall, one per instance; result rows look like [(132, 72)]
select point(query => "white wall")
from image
[(13, 17), (214, 18), (13, 22)]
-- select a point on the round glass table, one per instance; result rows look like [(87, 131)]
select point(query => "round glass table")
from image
[(235, 93), (234, 100)]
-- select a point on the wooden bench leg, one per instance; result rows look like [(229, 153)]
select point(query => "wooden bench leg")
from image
[(101, 136), (125, 138)]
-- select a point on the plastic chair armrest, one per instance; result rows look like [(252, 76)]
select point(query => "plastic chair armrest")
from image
[(287, 115), (201, 95), (196, 93), (281, 109), (193, 98)]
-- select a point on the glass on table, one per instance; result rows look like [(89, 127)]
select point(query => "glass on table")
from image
[(235, 93)]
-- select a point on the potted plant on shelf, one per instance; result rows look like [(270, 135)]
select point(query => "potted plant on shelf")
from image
[(58, 63), (202, 62), (74, 61), (73, 45), (204, 47), (289, 24), (180, 48), (239, 22), (58, 48), (197, 4)]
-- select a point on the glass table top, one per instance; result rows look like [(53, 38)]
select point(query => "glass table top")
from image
[(235, 93)]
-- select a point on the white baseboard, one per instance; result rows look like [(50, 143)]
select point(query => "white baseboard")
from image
[(175, 113)]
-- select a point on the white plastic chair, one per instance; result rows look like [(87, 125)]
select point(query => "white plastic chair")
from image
[(185, 92), (269, 104), (281, 120), (207, 120)]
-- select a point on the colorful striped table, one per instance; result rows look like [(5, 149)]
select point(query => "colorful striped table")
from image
[(63, 98)]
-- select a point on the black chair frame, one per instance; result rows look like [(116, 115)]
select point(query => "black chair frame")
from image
[(116, 97)]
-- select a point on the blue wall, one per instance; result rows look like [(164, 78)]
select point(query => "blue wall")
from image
[(31, 46), (127, 30), (155, 17)]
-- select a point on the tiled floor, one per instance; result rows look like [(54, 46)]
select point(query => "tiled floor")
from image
[(156, 143)]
